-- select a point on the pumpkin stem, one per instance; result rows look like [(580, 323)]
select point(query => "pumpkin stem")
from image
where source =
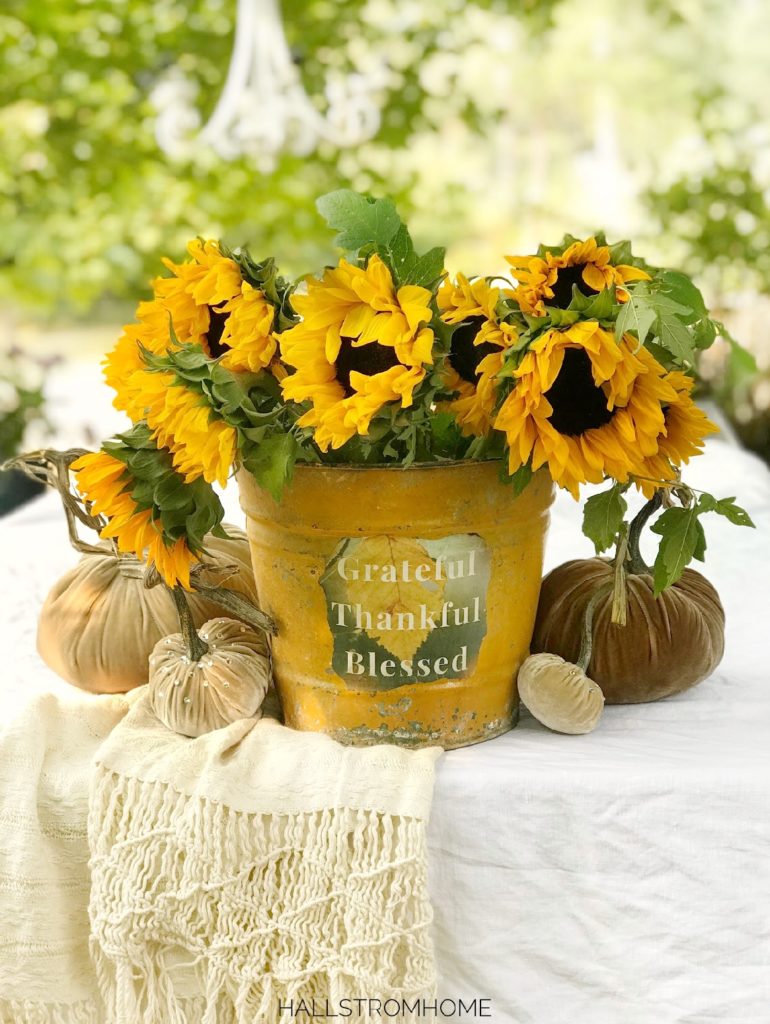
[(196, 647), (619, 592), (587, 641), (636, 564), (237, 605)]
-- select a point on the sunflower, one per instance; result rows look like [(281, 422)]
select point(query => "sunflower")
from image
[(207, 283), (204, 302), (361, 344), (181, 420), (684, 432), (210, 277), (548, 279), (477, 351), (105, 483), (248, 334), (188, 306), (585, 405)]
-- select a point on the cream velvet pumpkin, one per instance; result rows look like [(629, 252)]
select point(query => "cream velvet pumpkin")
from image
[(99, 623), (559, 694), (227, 683)]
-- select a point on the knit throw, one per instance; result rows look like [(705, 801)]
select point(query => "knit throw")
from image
[(253, 874)]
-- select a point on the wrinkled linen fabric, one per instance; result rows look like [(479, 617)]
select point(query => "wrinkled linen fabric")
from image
[(617, 878), (623, 877)]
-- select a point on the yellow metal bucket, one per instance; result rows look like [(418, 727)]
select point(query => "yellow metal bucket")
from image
[(405, 598)]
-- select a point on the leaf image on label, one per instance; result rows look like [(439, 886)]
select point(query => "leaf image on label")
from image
[(405, 610), (401, 594)]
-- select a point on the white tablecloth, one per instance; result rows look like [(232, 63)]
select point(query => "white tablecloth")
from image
[(617, 878)]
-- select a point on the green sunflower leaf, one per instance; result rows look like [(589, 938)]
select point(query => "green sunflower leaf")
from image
[(704, 332), (360, 220), (189, 357), (636, 316), (734, 513), (272, 462), (428, 268), (600, 306), (682, 539), (138, 436), (142, 493), (406, 265), (445, 433), (263, 386), (671, 330), (171, 492), (562, 317), (620, 254), (603, 516), (399, 254), (145, 464), (174, 523), (518, 480), (579, 300), (197, 525), (679, 288)]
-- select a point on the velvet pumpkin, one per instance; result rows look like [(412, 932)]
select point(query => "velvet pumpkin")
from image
[(668, 644), (100, 623), (225, 682), (559, 694)]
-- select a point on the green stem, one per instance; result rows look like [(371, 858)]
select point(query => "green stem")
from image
[(636, 564), (196, 647), (587, 641)]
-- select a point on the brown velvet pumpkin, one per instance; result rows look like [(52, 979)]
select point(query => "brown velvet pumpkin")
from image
[(668, 644), (99, 623)]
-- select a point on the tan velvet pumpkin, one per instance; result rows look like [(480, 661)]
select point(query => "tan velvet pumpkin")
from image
[(221, 681), (668, 644), (100, 623), (559, 694)]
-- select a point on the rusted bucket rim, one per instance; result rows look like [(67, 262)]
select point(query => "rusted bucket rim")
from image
[(352, 467)]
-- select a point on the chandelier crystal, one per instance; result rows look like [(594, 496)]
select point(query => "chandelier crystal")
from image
[(264, 108)]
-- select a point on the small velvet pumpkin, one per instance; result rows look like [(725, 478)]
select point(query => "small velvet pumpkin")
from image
[(194, 692), (99, 623), (559, 694), (668, 644)]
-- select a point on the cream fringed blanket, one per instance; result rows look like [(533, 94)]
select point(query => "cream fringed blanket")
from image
[(250, 869)]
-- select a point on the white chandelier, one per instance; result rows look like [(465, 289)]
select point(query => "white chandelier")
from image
[(264, 108)]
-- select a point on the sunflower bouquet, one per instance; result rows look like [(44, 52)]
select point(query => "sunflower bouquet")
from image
[(581, 365)]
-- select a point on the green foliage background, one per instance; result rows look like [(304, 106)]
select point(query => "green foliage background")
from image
[(89, 201), (504, 124)]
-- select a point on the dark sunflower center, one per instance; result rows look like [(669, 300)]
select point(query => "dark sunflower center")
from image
[(217, 321), (562, 290), (464, 356), (578, 404), (370, 359)]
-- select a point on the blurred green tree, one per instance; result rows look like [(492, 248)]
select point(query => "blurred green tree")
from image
[(87, 199)]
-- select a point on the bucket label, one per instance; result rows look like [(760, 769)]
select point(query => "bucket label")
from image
[(403, 610)]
